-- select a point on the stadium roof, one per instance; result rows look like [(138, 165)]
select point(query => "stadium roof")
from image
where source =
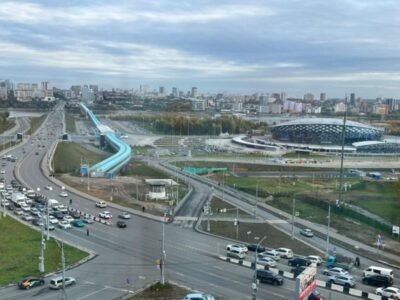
[(326, 121)]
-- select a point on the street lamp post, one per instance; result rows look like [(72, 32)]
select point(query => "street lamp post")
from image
[(254, 285), (163, 252), (293, 213), (328, 231)]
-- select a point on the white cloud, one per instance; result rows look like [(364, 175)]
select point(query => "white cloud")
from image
[(30, 13)]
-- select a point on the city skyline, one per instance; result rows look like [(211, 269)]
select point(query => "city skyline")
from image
[(235, 47)]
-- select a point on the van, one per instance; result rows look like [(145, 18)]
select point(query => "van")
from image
[(57, 282), (373, 270)]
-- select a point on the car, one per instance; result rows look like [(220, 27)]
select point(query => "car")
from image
[(234, 253), (307, 232), (18, 212), (121, 224), (238, 247), (64, 225), (75, 214), (378, 280), (48, 187), (315, 295), (254, 247), (298, 261), (63, 194), (29, 282), (25, 207), (266, 261), (27, 217), (315, 259), (58, 215), (37, 222), (68, 218), (285, 252), (345, 280), (88, 219), (335, 271), (297, 270), (105, 215), (272, 253), (2, 172), (78, 223), (62, 208), (198, 296), (101, 204), (51, 226), (5, 202), (124, 215), (57, 282), (53, 220), (390, 292), (269, 277)]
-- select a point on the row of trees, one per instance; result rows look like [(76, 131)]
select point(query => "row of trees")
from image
[(184, 125), (5, 123)]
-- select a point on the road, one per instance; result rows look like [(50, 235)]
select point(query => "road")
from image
[(126, 258)]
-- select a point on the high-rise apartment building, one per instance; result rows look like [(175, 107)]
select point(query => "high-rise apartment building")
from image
[(194, 92), (322, 97), (353, 99), (308, 97), (174, 92), (161, 90)]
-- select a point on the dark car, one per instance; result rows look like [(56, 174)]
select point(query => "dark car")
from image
[(315, 295), (296, 271), (269, 277), (29, 282), (298, 261), (121, 224), (378, 280), (75, 214), (58, 214), (253, 247)]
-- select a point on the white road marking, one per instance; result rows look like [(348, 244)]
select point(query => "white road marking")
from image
[(180, 274), (91, 294), (142, 277)]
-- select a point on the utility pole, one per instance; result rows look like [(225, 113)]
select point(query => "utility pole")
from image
[(88, 176), (254, 284), (328, 231), (293, 212), (342, 153), (163, 253), (223, 185), (47, 220), (64, 293), (256, 202), (237, 223), (42, 248)]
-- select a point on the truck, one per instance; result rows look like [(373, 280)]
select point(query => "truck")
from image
[(344, 263), (53, 203), (17, 199)]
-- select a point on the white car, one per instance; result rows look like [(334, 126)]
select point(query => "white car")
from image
[(101, 204), (335, 271), (48, 187), (390, 292), (315, 259), (57, 282), (68, 219), (198, 296), (2, 172), (63, 194), (266, 261), (272, 254), (105, 215), (25, 207), (307, 232), (238, 247), (53, 220), (64, 224), (285, 252), (62, 208), (124, 215)]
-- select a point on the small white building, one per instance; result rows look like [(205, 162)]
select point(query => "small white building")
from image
[(158, 188)]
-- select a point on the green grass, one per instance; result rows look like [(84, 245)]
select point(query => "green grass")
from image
[(20, 249), (139, 168), (36, 122), (217, 203), (389, 210), (141, 150), (70, 123), (275, 238), (7, 125), (68, 157)]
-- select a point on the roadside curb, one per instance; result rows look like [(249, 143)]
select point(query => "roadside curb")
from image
[(320, 283)]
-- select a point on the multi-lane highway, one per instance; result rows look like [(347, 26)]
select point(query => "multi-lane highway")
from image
[(126, 258)]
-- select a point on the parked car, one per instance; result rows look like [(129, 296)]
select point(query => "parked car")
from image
[(124, 215), (29, 282), (37, 222), (53, 220), (51, 226), (78, 223), (307, 232), (253, 247), (390, 292), (18, 212), (121, 224), (88, 220), (57, 282), (298, 261), (238, 247), (101, 204), (345, 280), (285, 252), (68, 218), (269, 277), (378, 280), (198, 296), (335, 271), (105, 215), (27, 217)]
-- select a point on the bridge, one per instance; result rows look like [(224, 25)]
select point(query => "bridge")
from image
[(111, 165)]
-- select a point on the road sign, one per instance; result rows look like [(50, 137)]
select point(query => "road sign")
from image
[(395, 229), (306, 283)]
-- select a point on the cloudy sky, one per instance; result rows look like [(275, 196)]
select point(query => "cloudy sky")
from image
[(297, 46)]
